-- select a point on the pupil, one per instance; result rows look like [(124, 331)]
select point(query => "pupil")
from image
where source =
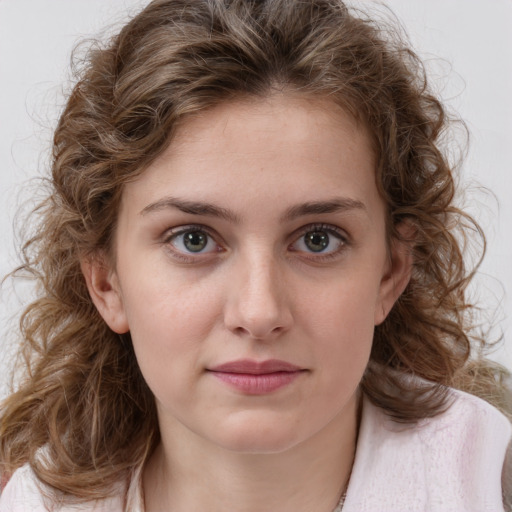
[(317, 241), (195, 241)]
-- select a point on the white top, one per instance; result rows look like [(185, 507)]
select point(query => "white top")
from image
[(450, 463)]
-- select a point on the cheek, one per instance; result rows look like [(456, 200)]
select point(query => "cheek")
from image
[(346, 304), (166, 300), (341, 321), (168, 324)]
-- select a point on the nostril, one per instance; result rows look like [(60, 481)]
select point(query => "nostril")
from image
[(240, 331), (260, 332)]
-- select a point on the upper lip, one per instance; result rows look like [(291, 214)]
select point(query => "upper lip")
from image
[(248, 366)]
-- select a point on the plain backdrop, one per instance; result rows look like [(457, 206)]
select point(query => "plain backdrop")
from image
[(466, 44)]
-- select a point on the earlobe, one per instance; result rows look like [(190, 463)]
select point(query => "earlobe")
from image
[(105, 293), (399, 271)]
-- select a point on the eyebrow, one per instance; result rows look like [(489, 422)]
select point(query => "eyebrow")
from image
[(335, 205), (192, 207), (210, 210)]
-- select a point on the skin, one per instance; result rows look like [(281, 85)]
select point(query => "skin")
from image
[(255, 291)]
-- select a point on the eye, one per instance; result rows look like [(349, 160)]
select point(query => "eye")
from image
[(321, 240), (191, 240), (316, 241)]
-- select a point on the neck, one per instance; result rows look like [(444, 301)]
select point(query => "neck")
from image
[(190, 473)]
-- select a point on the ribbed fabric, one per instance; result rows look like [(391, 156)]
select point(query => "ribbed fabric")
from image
[(450, 463)]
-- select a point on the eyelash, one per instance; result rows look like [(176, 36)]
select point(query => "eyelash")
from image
[(172, 234)]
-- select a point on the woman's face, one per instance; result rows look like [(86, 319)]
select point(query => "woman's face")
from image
[(251, 269)]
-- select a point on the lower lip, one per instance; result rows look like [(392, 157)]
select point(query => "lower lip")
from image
[(259, 384)]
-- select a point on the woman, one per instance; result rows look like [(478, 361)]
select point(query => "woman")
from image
[(252, 285)]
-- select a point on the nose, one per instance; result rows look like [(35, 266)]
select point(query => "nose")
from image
[(258, 306)]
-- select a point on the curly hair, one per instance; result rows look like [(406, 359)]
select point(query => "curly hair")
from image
[(84, 417)]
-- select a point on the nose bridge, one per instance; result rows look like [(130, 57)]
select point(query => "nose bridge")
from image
[(258, 306), (261, 282)]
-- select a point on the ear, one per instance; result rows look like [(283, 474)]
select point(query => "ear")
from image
[(103, 286), (398, 272)]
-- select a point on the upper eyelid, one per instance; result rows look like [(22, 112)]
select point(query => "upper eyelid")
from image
[(169, 232), (178, 230), (322, 227)]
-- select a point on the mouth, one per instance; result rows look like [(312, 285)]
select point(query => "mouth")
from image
[(257, 377)]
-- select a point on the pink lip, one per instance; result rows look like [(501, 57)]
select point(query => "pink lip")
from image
[(255, 377)]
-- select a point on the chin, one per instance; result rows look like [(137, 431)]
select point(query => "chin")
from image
[(258, 436)]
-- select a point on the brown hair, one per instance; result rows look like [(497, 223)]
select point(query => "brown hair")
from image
[(84, 417)]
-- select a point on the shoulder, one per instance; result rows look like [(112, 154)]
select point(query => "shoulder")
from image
[(468, 423), (22, 493), (468, 419), (466, 447), (469, 440), (453, 461), (25, 493)]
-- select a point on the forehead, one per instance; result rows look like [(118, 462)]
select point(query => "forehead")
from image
[(283, 146), (286, 117)]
